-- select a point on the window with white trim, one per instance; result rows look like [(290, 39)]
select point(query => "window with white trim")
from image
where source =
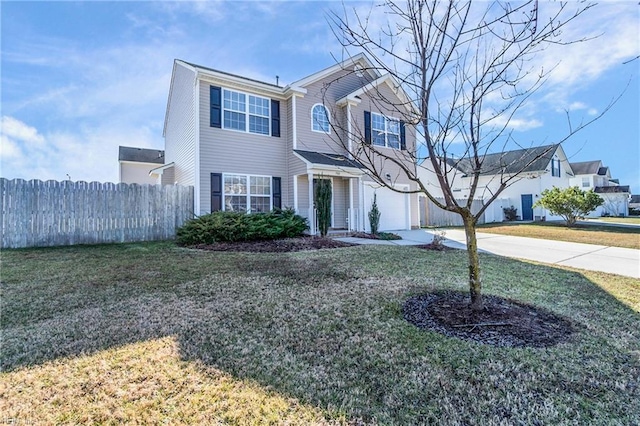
[(586, 182), (247, 193), (555, 166), (320, 119), (385, 131), (236, 109)]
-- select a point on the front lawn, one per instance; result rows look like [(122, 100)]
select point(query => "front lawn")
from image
[(152, 333), (604, 235), (635, 220)]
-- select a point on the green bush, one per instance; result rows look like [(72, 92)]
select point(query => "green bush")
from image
[(374, 216), (237, 226)]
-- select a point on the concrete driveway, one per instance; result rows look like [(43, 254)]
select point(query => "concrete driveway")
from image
[(613, 260)]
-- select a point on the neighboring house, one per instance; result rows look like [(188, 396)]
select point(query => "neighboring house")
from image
[(542, 167), (634, 204), (593, 175), (136, 163), (248, 145)]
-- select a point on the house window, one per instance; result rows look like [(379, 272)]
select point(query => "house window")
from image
[(555, 167), (236, 109), (320, 119), (246, 193), (385, 131), (586, 182)]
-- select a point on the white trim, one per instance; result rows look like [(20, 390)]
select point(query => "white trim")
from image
[(161, 169), (295, 193), (248, 194), (319, 168), (351, 227), (294, 119), (313, 122), (312, 219), (393, 84), (197, 204), (246, 112), (359, 58), (349, 132)]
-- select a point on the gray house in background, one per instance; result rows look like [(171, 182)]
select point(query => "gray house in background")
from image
[(247, 145)]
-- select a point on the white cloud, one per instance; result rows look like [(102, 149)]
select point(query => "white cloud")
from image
[(14, 129)]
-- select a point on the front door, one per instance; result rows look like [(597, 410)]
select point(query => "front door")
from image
[(527, 206)]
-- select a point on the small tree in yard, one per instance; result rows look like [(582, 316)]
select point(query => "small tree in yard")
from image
[(468, 70), (374, 216), (323, 205), (570, 203)]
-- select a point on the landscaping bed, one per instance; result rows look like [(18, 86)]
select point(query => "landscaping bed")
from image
[(275, 246)]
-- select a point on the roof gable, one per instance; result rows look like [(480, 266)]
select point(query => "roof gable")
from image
[(527, 160), (389, 80), (586, 167), (352, 61)]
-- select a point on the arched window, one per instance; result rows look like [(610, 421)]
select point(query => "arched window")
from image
[(320, 119)]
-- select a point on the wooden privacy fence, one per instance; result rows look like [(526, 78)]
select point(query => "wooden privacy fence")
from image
[(432, 215), (37, 214)]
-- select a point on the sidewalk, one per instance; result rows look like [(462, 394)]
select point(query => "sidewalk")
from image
[(614, 260)]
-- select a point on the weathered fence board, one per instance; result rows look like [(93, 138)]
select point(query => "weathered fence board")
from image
[(432, 215), (38, 214)]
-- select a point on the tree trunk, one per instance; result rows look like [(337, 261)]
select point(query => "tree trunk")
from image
[(475, 284)]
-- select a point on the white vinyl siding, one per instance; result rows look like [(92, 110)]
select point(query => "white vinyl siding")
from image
[(246, 113)]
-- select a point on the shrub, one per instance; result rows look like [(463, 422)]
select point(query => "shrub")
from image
[(510, 213), (571, 203), (237, 226), (323, 205), (374, 216)]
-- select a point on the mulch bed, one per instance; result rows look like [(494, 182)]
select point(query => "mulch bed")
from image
[(276, 246), (502, 322), (435, 247)]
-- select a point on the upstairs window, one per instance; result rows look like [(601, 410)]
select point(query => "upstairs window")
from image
[(320, 119), (555, 167), (236, 109), (385, 131), (586, 182)]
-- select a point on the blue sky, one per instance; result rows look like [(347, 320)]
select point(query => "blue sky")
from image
[(81, 78)]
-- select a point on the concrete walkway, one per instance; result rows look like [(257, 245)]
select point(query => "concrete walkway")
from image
[(615, 260)]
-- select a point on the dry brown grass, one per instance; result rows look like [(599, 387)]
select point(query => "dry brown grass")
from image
[(588, 234), (144, 383), (151, 333)]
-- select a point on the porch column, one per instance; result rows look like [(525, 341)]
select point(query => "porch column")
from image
[(361, 223), (295, 193), (312, 216), (351, 215)]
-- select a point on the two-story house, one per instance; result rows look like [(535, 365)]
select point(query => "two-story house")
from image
[(248, 145), (594, 175)]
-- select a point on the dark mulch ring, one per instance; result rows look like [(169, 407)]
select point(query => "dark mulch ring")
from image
[(275, 246), (502, 322), (436, 247)]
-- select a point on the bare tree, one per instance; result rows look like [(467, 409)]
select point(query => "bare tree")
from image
[(467, 69)]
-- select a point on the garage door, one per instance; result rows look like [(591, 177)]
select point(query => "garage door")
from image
[(393, 206)]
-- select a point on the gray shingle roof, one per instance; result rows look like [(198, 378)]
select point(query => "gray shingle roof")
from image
[(327, 159), (611, 189), (230, 74), (520, 160), (141, 155), (586, 167)]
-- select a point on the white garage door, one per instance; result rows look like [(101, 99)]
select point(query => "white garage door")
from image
[(393, 206)]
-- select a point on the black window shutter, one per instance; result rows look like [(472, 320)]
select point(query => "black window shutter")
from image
[(367, 127), (216, 106), (277, 193), (275, 118), (403, 137), (216, 192)]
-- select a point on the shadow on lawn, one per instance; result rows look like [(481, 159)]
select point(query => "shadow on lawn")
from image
[(326, 327)]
